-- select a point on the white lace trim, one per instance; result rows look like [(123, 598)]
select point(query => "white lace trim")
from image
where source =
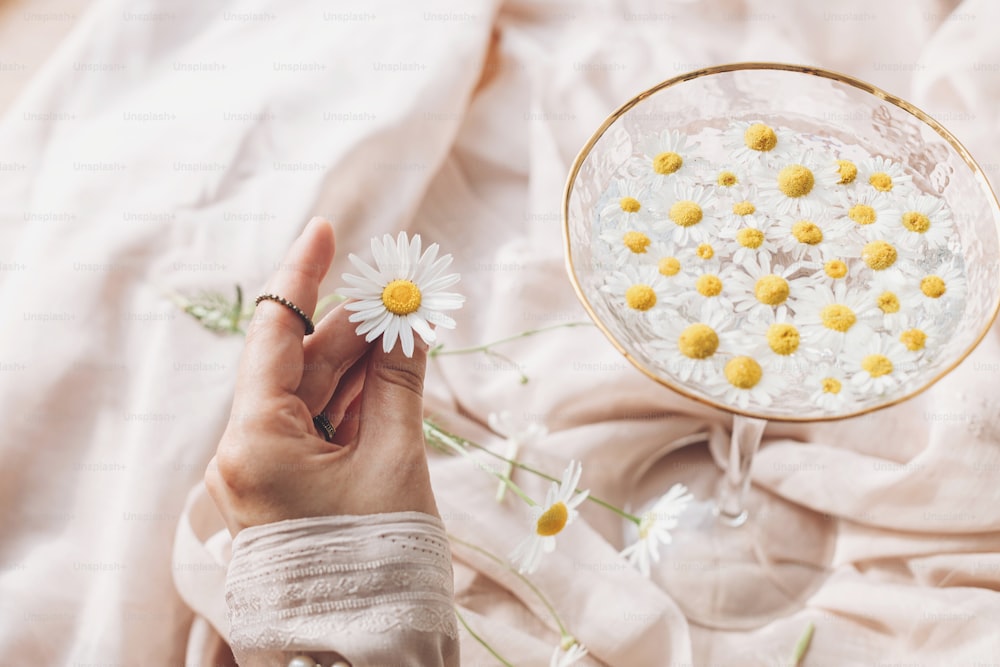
[(309, 581)]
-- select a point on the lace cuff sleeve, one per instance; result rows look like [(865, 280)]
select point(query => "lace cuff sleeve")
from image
[(366, 590)]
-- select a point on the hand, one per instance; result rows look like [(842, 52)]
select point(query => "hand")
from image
[(271, 463)]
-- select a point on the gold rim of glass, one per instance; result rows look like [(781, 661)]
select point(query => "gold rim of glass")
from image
[(801, 69)]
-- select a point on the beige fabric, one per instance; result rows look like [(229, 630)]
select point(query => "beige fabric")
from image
[(457, 120)]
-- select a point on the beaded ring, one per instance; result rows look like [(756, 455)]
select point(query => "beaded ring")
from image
[(291, 306)]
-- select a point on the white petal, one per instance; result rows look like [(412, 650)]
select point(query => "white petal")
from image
[(440, 282), (360, 294), (391, 334), (443, 301), (366, 270), (419, 324), (375, 327), (437, 319), (406, 337)]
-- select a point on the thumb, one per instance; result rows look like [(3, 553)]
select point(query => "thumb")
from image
[(392, 399)]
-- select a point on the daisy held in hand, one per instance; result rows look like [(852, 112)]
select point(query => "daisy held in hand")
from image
[(403, 294)]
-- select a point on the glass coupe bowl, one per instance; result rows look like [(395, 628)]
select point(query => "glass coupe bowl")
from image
[(655, 185)]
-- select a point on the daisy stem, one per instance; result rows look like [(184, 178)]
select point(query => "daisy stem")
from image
[(440, 351), (454, 443), (803, 645), (459, 443), (534, 589), (479, 639)]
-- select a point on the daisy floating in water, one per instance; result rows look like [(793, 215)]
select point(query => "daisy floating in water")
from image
[(404, 294), (550, 519)]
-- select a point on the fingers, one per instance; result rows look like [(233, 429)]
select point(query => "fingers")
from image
[(273, 357), (392, 398), (329, 353), (348, 391)]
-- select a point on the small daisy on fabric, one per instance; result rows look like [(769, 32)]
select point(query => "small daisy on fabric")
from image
[(404, 294), (830, 389), (550, 519), (923, 221), (803, 180), (655, 526), (693, 350), (877, 366), (754, 143), (885, 176), (627, 204), (518, 433), (686, 214), (566, 657)]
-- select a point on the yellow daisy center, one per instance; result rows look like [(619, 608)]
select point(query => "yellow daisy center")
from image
[(698, 341), (863, 214), (783, 338), (667, 163), (630, 204), (881, 181), (553, 520), (706, 251), (796, 180), (888, 303), (744, 208), (401, 297), (640, 297), (831, 386), (637, 242), (685, 213), (933, 286), (743, 372), (877, 365), (879, 255), (760, 137), (838, 317), (750, 238), (913, 339), (771, 290), (848, 171), (708, 285), (835, 269), (807, 232), (727, 179), (916, 222), (669, 266)]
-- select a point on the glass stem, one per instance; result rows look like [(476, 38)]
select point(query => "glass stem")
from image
[(730, 506)]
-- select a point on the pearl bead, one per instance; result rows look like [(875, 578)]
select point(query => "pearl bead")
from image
[(302, 661)]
